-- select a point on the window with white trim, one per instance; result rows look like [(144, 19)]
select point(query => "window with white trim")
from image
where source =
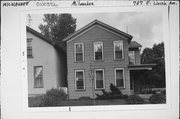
[(79, 80), (99, 78), (98, 51), (118, 50), (131, 57), (29, 48), (38, 76), (119, 77), (79, 52)]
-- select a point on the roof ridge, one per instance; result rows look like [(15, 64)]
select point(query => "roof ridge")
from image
[(100, 23)]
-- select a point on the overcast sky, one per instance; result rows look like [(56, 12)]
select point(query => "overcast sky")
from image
[(145, 27)]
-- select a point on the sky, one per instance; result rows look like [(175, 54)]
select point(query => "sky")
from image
[(145, 27)]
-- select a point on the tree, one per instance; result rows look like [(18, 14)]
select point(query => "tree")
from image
[(91, 75), (155, 55), (146, 56), (58, 26)]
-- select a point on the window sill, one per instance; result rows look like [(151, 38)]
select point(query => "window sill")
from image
[(122, 88), (30, 57), (119, 59), (99, 60), (79, 62), (38, 87), (99, 89), (80, 90)]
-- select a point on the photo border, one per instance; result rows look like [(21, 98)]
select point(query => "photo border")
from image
[(164, 11), (169, 110)]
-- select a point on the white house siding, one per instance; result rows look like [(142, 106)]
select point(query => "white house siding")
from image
[(137, 57), (44, 54)]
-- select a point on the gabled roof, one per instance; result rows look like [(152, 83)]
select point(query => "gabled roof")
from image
[(48, 40), (28, 29), (134, 44), (96, 22)]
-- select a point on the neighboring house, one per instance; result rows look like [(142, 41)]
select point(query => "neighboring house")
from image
[(46, 64), (98, 55)]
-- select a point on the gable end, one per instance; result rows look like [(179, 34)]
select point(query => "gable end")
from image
[(101, 24)]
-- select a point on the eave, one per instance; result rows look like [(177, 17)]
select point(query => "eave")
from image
[(39, 35), (141, 67)]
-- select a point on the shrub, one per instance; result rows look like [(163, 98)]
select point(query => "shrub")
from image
[(114, 89), (135, 99), (158, 98), (53, 96), (35, 101), (85, 98), (114, 94), (104, 96)]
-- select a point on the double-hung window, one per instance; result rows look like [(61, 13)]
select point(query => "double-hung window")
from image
[(79, 52), (119, 77), (29, 48), (99, 78), (118, 50), (131, 57), (38, 77), (98, 51), (79, 80)]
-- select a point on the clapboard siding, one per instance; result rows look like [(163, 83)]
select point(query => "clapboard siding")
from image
[(137, 57), (108, 64)]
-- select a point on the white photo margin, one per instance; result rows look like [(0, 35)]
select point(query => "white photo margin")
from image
[(14, 61)]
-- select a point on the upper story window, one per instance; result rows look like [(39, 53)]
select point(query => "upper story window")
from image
[(118, 50), (119, 77), (131, 57), (79, 52), (99, 78), (29, 48), (79, 80), (38, 77), (98, 51)]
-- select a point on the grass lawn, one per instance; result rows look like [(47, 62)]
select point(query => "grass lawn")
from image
[(91, 102), (35, 101)]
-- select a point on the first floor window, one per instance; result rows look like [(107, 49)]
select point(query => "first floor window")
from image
[(119, 77), (38, 77), (99, 78), (79, 79), (29, 47)]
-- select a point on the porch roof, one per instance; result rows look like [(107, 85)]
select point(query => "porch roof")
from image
[(141, 67)]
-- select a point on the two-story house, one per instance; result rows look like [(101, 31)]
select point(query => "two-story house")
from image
[(46, 64), (98, 55)]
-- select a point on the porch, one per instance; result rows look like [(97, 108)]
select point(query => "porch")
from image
[(138, 77)]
